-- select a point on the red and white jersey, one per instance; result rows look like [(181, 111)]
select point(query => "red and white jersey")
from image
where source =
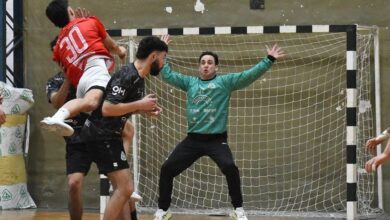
[(78, 41)]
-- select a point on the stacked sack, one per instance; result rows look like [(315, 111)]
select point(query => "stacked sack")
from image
[(13, 188)]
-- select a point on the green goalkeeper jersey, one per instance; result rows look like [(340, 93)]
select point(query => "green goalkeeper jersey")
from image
[(207, 105)]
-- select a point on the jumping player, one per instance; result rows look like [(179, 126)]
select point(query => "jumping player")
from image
[(78, 162), (83, 51)]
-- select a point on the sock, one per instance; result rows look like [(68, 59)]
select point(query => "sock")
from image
[(62, 114), (133, 215)]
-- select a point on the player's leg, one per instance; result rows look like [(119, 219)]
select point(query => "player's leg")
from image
[(90, 101), (118, 203), (127, 136), (111, 160), (78, 164), (184, 154), (75, 204), (124, 213), (219, 151), (90, 91), (72, 108)]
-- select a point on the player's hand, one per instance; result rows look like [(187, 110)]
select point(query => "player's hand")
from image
[(275, 51), (148, 103), (2, 117), (155, 112), (121, 52), (166, 38), (372, 143), (82, 13), (375, 162)]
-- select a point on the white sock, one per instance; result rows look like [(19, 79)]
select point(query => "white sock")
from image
[(62, 114)]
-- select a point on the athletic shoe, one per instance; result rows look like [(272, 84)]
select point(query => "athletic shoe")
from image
[(162, 215), (238, 214), (135, 197), (57, 126)]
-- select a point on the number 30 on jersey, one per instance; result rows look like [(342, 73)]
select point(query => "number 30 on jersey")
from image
[(75, 43)]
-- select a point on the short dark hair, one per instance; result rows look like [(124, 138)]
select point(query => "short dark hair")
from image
[(211, 54), (53, 42), (57, 12), (148, 45)]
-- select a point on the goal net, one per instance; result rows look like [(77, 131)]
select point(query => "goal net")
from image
[(286, 130)]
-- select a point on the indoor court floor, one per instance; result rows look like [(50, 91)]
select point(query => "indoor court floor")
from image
[(63, 215)]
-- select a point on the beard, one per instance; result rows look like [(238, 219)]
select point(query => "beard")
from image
[(154, 68)]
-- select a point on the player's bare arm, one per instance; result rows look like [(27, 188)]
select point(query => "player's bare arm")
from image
[(148, 103), (373, 142), (375, 162), (58, 98), (114, 48), (380, 159)]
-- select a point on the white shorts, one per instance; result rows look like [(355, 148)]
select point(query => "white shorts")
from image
[(95, 75)]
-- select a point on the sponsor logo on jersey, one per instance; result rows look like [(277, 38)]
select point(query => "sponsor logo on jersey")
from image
[(201, 98), (211, 86), (118, 90)]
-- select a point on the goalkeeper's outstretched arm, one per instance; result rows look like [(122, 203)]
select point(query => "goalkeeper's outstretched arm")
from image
[(241, 80)]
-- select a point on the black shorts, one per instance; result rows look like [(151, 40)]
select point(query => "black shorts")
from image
[(108, 155), (78, 159)]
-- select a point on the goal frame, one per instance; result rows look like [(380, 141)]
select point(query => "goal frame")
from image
[(351, 87)]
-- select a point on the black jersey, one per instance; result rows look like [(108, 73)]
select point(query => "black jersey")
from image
[(53, 85), (124, 86)]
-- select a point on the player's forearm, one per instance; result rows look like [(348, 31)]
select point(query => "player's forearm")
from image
[(247, 77), (110, 109), (111, 45), (58, 98), (387, 149), (258, 70), (384, 135), (116, 50)]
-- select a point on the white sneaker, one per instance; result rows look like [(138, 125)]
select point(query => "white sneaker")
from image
[(238, 214), (162, 215), (57, 126), (135, 197)]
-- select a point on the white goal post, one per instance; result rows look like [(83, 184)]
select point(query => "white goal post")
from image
[(297, 133)]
